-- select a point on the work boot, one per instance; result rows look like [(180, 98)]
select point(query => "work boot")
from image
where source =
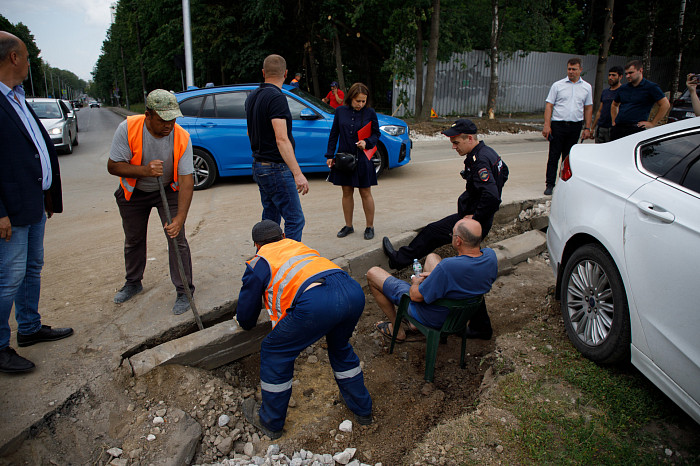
[(251, 412), (548, 191), (182, 304), (363, 420), (127, 292)]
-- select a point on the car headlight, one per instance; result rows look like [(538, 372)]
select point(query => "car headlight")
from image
[(393, 130), (57, 130)]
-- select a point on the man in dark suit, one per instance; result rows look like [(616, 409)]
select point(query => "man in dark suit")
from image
[(30, 191)]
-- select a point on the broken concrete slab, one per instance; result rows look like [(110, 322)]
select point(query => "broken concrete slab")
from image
[(209, 348), (512, 251)]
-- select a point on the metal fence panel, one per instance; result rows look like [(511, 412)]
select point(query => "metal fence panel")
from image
[(462, 84)]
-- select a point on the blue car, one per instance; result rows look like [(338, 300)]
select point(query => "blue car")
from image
[(215, 118)]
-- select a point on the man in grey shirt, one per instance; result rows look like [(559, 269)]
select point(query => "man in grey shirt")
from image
[(144, 148)]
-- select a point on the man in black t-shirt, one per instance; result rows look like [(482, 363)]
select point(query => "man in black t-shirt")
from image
[(275, 166)]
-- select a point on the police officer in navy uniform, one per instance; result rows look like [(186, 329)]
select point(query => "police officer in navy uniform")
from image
[(485, 174)]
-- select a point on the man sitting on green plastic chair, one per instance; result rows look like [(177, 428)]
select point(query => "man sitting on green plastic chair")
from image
[(468, 274)]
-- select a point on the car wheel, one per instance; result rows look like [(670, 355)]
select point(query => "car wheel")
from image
[(204, 169), (69, 149), (594, 306), (380, 160)]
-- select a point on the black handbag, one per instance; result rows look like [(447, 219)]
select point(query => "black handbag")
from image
[(345, 162)]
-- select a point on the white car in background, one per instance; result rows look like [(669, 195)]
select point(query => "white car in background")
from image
[(59, 121), (624, 244)]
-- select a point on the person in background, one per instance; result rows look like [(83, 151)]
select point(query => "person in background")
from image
[(335, 97), (691, 83), (295, 81), (355, 130), (568, 104), (602, 124), (632, 105)]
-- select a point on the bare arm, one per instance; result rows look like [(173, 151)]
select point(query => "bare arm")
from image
[(184, 199), (664, 106), (614, 108), (692, 84), (587, 116), (597, 116), (287, 151), (5, 228), (414, 291), (127, 170), (548, 109)]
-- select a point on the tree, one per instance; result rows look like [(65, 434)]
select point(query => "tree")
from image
[(432, 60), (601, 68)]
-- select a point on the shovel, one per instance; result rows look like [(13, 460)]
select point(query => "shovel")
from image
[(180, 267)]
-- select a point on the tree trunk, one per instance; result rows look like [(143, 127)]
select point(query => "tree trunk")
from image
[(338, 61), (419, 69), (646, 57), (432, 59), (138, 45), (314, 70), (601, 69), (679, 39), (493, 57)]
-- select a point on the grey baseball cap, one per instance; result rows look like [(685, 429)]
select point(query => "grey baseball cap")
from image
[(164, 104)]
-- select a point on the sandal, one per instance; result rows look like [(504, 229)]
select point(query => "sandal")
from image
[(383, 328)]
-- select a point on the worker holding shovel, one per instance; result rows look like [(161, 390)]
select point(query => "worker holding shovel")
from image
[(147, 151)]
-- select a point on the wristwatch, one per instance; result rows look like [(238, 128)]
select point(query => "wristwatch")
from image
[(586, 129)]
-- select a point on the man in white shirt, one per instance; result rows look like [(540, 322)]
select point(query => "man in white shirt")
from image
[(569, 103)]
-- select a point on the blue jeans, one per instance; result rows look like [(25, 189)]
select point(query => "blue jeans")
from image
[(21, 260), (331, 309), (279, 197)]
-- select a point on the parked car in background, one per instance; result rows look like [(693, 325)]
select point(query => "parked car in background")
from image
[(78, 103), (624, 244), (215, 118), (72, 114), (59, 122), (682, 108), (94, 104)]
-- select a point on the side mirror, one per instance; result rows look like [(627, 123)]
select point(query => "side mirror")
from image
[(308, 114)]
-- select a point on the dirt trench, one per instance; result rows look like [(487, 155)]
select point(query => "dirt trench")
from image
[(120, 411)]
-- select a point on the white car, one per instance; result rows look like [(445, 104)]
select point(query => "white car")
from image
[(624, 244), (59, 121)]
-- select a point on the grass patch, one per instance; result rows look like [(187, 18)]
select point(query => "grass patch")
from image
[(572, 411)]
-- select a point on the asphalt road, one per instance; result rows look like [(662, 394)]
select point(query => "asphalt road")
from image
[(84, 253)]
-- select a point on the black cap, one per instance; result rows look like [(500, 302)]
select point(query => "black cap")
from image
[(334, 84), (265, 231), (462, 126)]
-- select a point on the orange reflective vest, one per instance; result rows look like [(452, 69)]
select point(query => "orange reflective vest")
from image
[(291, 264), (134, 126)]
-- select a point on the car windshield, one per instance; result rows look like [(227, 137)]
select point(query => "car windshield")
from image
[(46, 110), (313, 99)]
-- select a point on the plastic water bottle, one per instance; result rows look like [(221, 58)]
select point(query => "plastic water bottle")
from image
[(417, 268)]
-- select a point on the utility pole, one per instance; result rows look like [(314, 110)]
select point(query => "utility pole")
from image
[(30, 77), (126, 88), (189, 72)]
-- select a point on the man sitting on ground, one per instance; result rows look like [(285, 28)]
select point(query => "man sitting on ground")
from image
[(470, 273)]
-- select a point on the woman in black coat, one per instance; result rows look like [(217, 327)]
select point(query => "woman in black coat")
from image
[(353, 117)]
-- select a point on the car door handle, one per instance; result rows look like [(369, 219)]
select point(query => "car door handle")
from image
[(208, 125), (655, 211)]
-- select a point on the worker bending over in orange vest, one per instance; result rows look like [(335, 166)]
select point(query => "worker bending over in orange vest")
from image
[(307, 297), (146, 147)]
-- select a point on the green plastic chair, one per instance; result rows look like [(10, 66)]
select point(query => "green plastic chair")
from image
[(461, 311)]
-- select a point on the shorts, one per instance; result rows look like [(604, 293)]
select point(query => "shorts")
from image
[(393, 289)]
